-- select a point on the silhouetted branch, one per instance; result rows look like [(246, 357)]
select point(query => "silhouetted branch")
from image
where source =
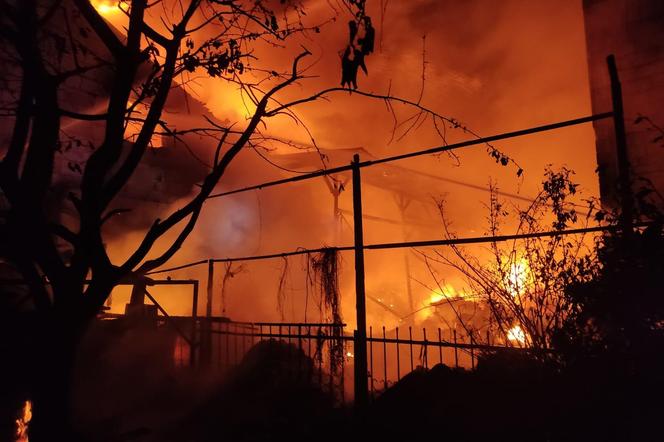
[(195, 205), (388, 98)]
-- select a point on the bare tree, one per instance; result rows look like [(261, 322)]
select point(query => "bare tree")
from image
[(51, 51), (52, 45), (521, 283)]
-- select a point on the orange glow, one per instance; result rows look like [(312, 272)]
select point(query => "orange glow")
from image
[(436, 297), (518, 277), (439, 297), (478, 97), (22, 423), (516, 335), (229, 103), (106, 7), (446, 292), (132, 130), (181, 352)]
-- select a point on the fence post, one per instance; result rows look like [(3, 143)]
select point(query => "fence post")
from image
[(398, 358), (205, 354), (361, 379), (626, 202), (194, 319), (210, 286)]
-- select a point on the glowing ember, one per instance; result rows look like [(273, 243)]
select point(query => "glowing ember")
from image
[(22, 423), (349, 355), (516, 335)]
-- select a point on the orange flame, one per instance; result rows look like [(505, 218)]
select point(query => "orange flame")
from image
[(517, 335), (518, 277), (106, 7), (23, 422)]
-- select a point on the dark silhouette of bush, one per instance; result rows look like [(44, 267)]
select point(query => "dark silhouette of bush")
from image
[(274, 394)]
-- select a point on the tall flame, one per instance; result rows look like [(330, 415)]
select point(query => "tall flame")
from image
[(518, 277), (23, 421)]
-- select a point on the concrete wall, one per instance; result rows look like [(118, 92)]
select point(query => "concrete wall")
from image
[(632, 30)]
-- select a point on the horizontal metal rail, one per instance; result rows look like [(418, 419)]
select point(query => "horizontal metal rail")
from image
[(433, 150), (348, 338), (430, 243), (221, 319), (153, 282), (397, 245)]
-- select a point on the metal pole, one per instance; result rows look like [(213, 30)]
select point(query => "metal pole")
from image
[(371, 367), (210, 285), (626, 202), (440, 347), (194, 320), (384, 360), (361, 378), (456, 352), (398, 358), (206, 331), (410, 346), (425, 356), (403, 204)]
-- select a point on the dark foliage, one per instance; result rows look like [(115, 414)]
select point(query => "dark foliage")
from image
[(619, 314), (511, 397)]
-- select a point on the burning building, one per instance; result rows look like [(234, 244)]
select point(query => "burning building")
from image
[(175, 164)]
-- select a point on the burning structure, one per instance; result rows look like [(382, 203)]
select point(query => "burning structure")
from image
[(176, 163)]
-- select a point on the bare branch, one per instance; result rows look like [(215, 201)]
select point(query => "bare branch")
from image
[(193, 207)]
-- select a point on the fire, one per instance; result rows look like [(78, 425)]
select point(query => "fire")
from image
[(106, 7), (517, 335), (518, 277), (445, 292), (436, 297), (439, 297), (22, 423)]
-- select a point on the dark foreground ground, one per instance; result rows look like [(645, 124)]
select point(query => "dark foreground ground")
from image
[(272, 397), (508, 398)]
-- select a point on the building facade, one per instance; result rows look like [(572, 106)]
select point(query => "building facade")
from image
[(632, 30)]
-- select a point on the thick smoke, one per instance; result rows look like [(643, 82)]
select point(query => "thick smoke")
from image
[(494, 66)]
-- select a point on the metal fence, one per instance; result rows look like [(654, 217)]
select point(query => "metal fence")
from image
[(381, 359), (307, 349), (323, 351), (392, 353)]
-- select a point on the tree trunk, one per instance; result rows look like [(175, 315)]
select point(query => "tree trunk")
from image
[(52, 375)]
